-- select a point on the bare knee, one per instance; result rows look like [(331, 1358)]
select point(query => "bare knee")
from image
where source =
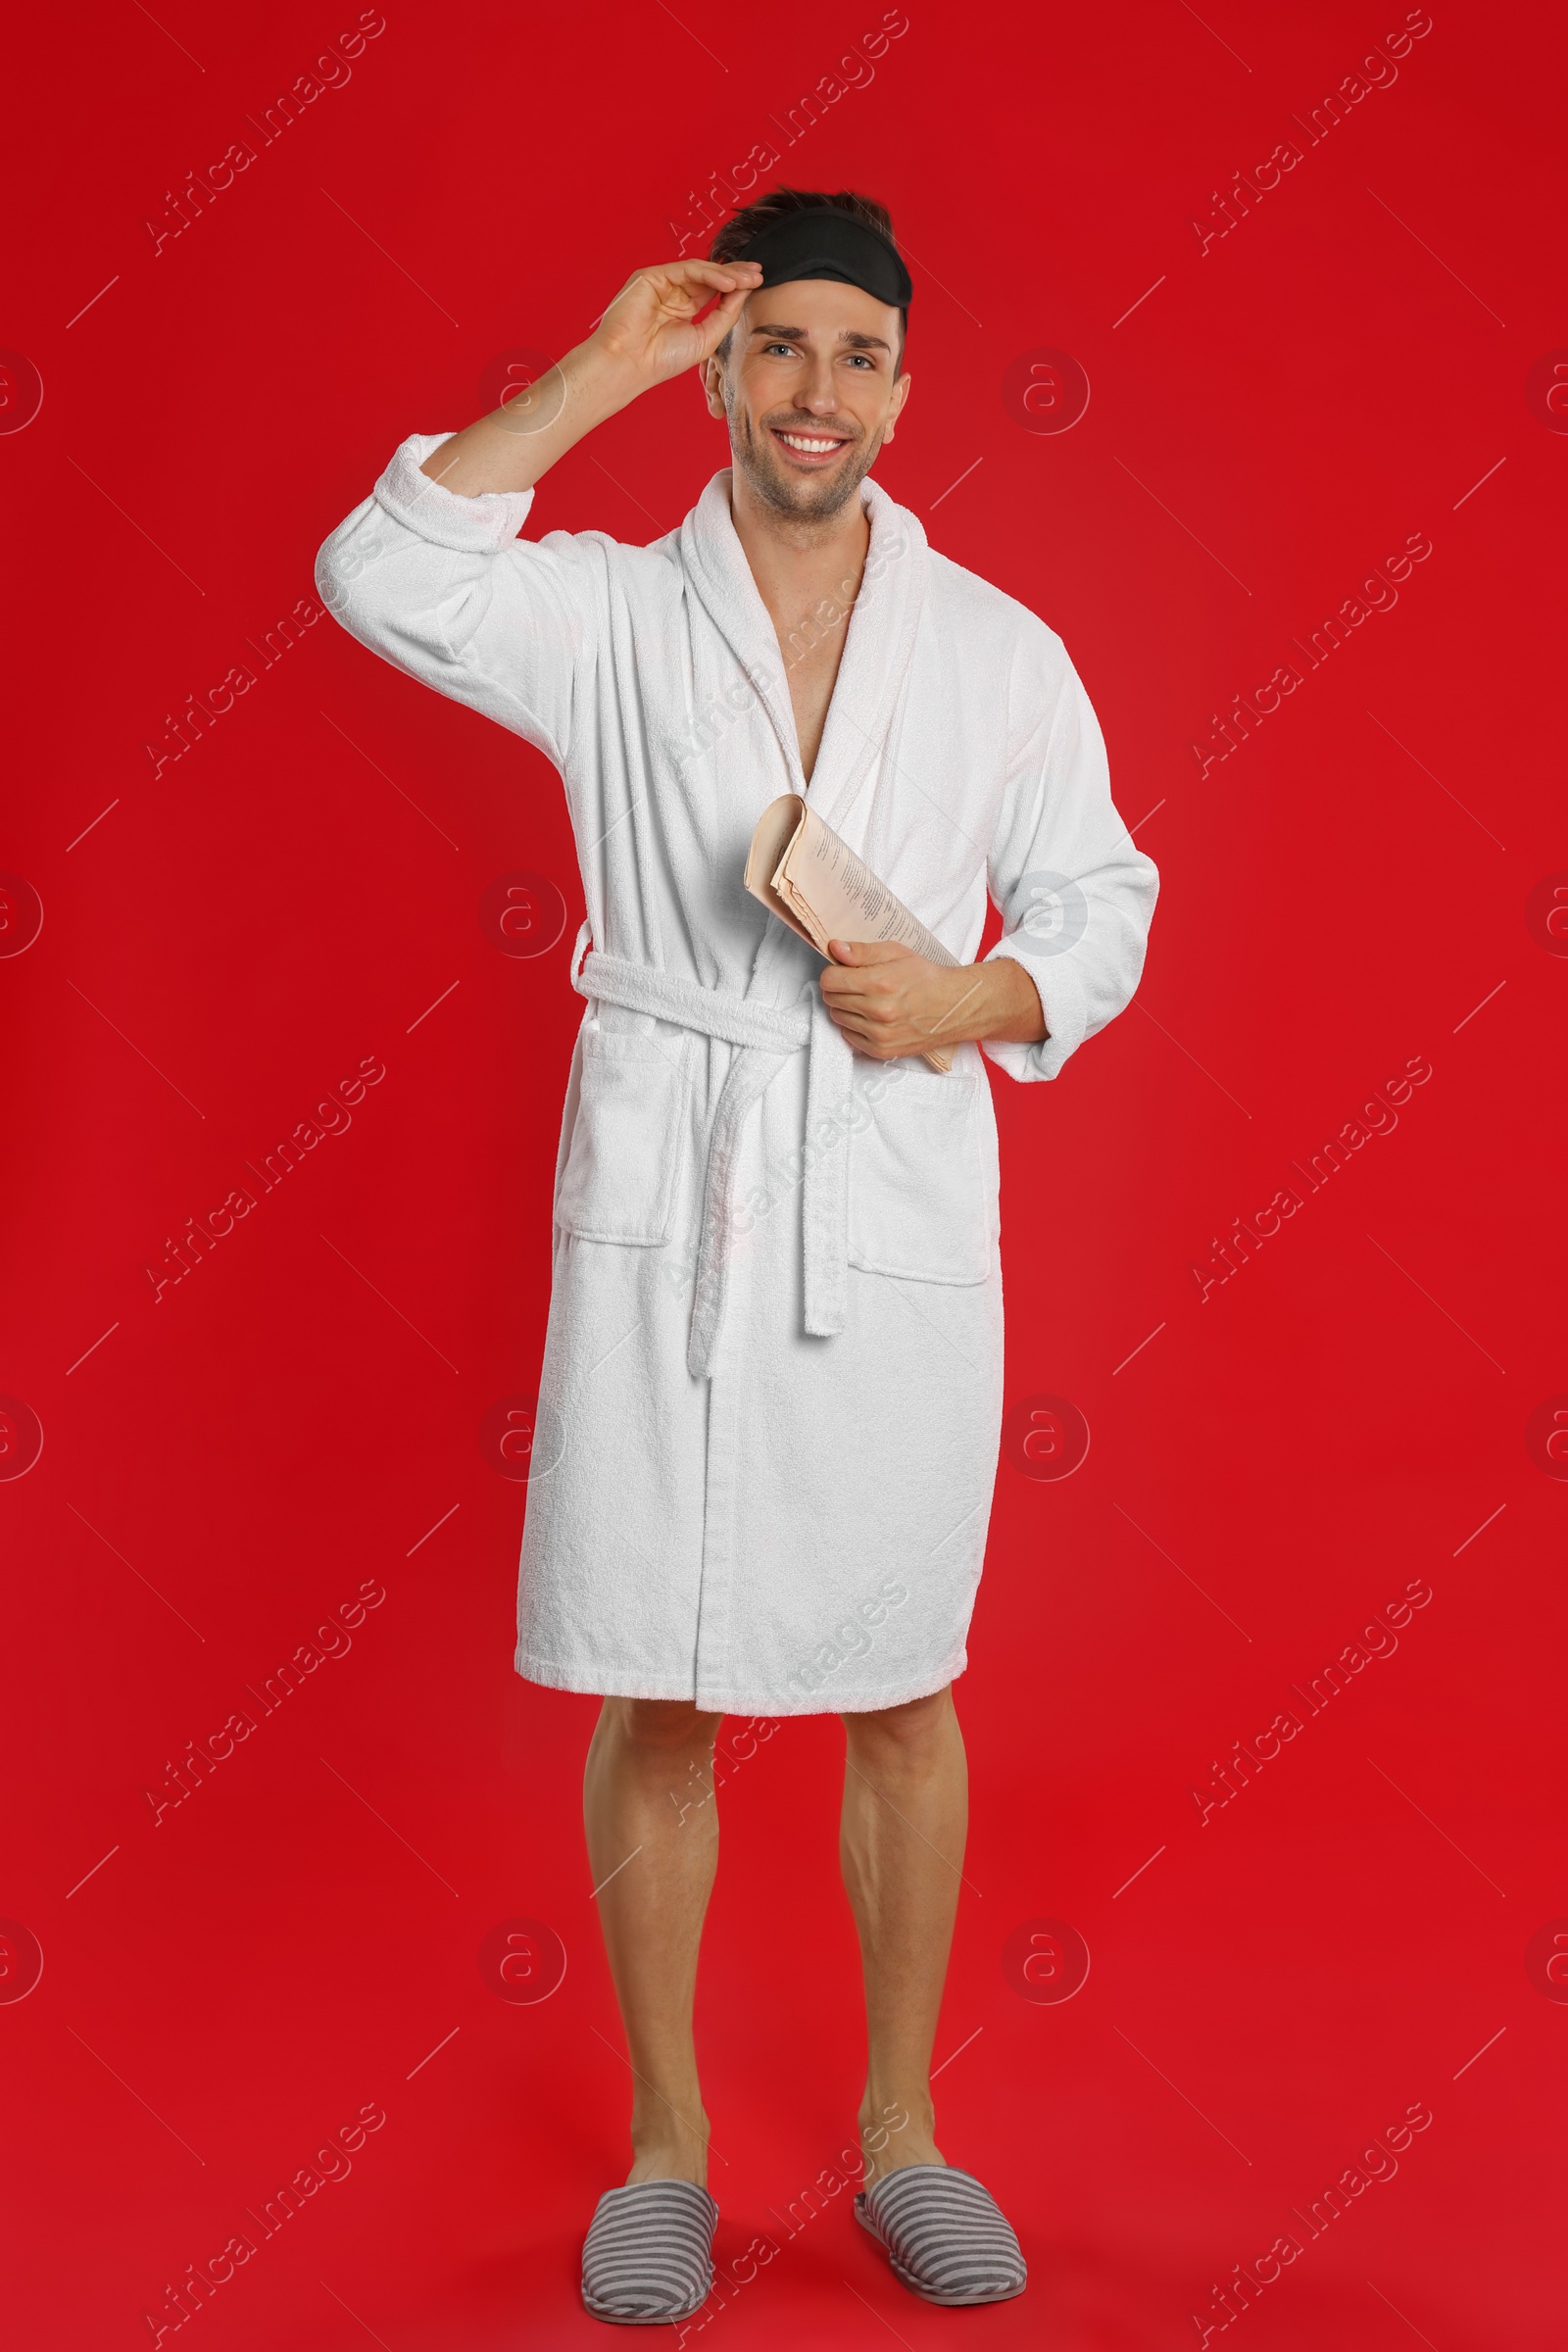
[(907, 1739), (659, 1726)]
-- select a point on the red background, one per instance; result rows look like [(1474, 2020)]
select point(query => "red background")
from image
[(225, 1986)]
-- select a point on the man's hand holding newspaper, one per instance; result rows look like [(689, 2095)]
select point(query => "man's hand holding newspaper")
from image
[(890, 986), (888, 999)]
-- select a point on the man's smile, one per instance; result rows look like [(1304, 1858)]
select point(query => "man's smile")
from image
[(809, 450)]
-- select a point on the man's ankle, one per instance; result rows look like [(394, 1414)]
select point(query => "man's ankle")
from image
[(661, 2153), (668, 2164), (897, 2130)]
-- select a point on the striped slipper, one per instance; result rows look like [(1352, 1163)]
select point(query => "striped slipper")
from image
[(647, 2257), (947, 2237)]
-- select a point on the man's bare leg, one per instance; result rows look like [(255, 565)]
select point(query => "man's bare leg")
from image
[(648, 1793), (902, 1839)]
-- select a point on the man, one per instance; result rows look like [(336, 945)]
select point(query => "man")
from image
[(770, 1397)]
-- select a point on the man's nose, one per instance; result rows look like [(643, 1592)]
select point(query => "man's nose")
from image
[(819, 394)]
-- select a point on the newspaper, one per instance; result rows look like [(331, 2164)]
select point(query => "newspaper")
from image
[(814, 881)]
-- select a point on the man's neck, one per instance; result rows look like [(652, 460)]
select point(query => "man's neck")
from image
[(795, 565)]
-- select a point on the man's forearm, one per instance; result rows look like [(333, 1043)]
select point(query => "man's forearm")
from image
[(510, 449)]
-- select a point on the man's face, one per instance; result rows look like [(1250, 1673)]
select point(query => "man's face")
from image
[(809, 392)]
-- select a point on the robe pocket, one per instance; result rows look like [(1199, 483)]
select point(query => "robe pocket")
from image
[(619, 1180), (922, 1183)]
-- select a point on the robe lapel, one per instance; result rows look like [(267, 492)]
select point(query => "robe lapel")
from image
[(715, 566), (874, 667)]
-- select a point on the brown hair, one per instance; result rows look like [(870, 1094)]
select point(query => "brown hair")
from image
[(740, 228)]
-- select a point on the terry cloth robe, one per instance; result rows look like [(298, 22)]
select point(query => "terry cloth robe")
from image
[(770, 1397)]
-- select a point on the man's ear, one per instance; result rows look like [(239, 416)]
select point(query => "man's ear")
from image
[(713, 386), (900, 393)]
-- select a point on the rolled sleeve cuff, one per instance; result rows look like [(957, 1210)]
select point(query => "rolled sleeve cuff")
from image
[(491, 520), (1065, 1001)]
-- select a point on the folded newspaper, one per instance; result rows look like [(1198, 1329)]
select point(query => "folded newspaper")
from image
[(814, 881)]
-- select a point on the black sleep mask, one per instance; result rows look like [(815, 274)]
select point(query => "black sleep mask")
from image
[(827, 243)]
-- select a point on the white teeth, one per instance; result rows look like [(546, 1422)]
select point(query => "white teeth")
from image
[(799, 441)]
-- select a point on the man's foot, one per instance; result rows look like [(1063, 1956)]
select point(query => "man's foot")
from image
[(947, 2237), (648, 2256)]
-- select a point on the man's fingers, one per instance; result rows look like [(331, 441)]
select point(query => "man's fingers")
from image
[(734, 273), (692, 282), (717, 278), (866, 1035), (716, 326), (867, 950), (848, 982), (860, 1003), (719, 274), (870, 1020)]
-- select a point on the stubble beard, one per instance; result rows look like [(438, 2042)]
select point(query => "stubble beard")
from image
[(799, 501)]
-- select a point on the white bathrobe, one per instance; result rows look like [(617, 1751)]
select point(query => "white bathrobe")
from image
[(771, 1390)]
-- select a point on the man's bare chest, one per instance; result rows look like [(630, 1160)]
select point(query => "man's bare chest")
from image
[(812, 677)]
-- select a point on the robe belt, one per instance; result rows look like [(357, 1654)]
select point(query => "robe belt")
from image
[(766, 1036)]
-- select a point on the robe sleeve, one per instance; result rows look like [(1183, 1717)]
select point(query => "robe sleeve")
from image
[(443, 587), (1075, 892)]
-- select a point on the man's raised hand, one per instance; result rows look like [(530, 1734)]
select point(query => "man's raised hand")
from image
[(650, 329)]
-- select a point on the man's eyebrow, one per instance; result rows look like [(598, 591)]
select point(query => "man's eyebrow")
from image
[(847, 334)]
